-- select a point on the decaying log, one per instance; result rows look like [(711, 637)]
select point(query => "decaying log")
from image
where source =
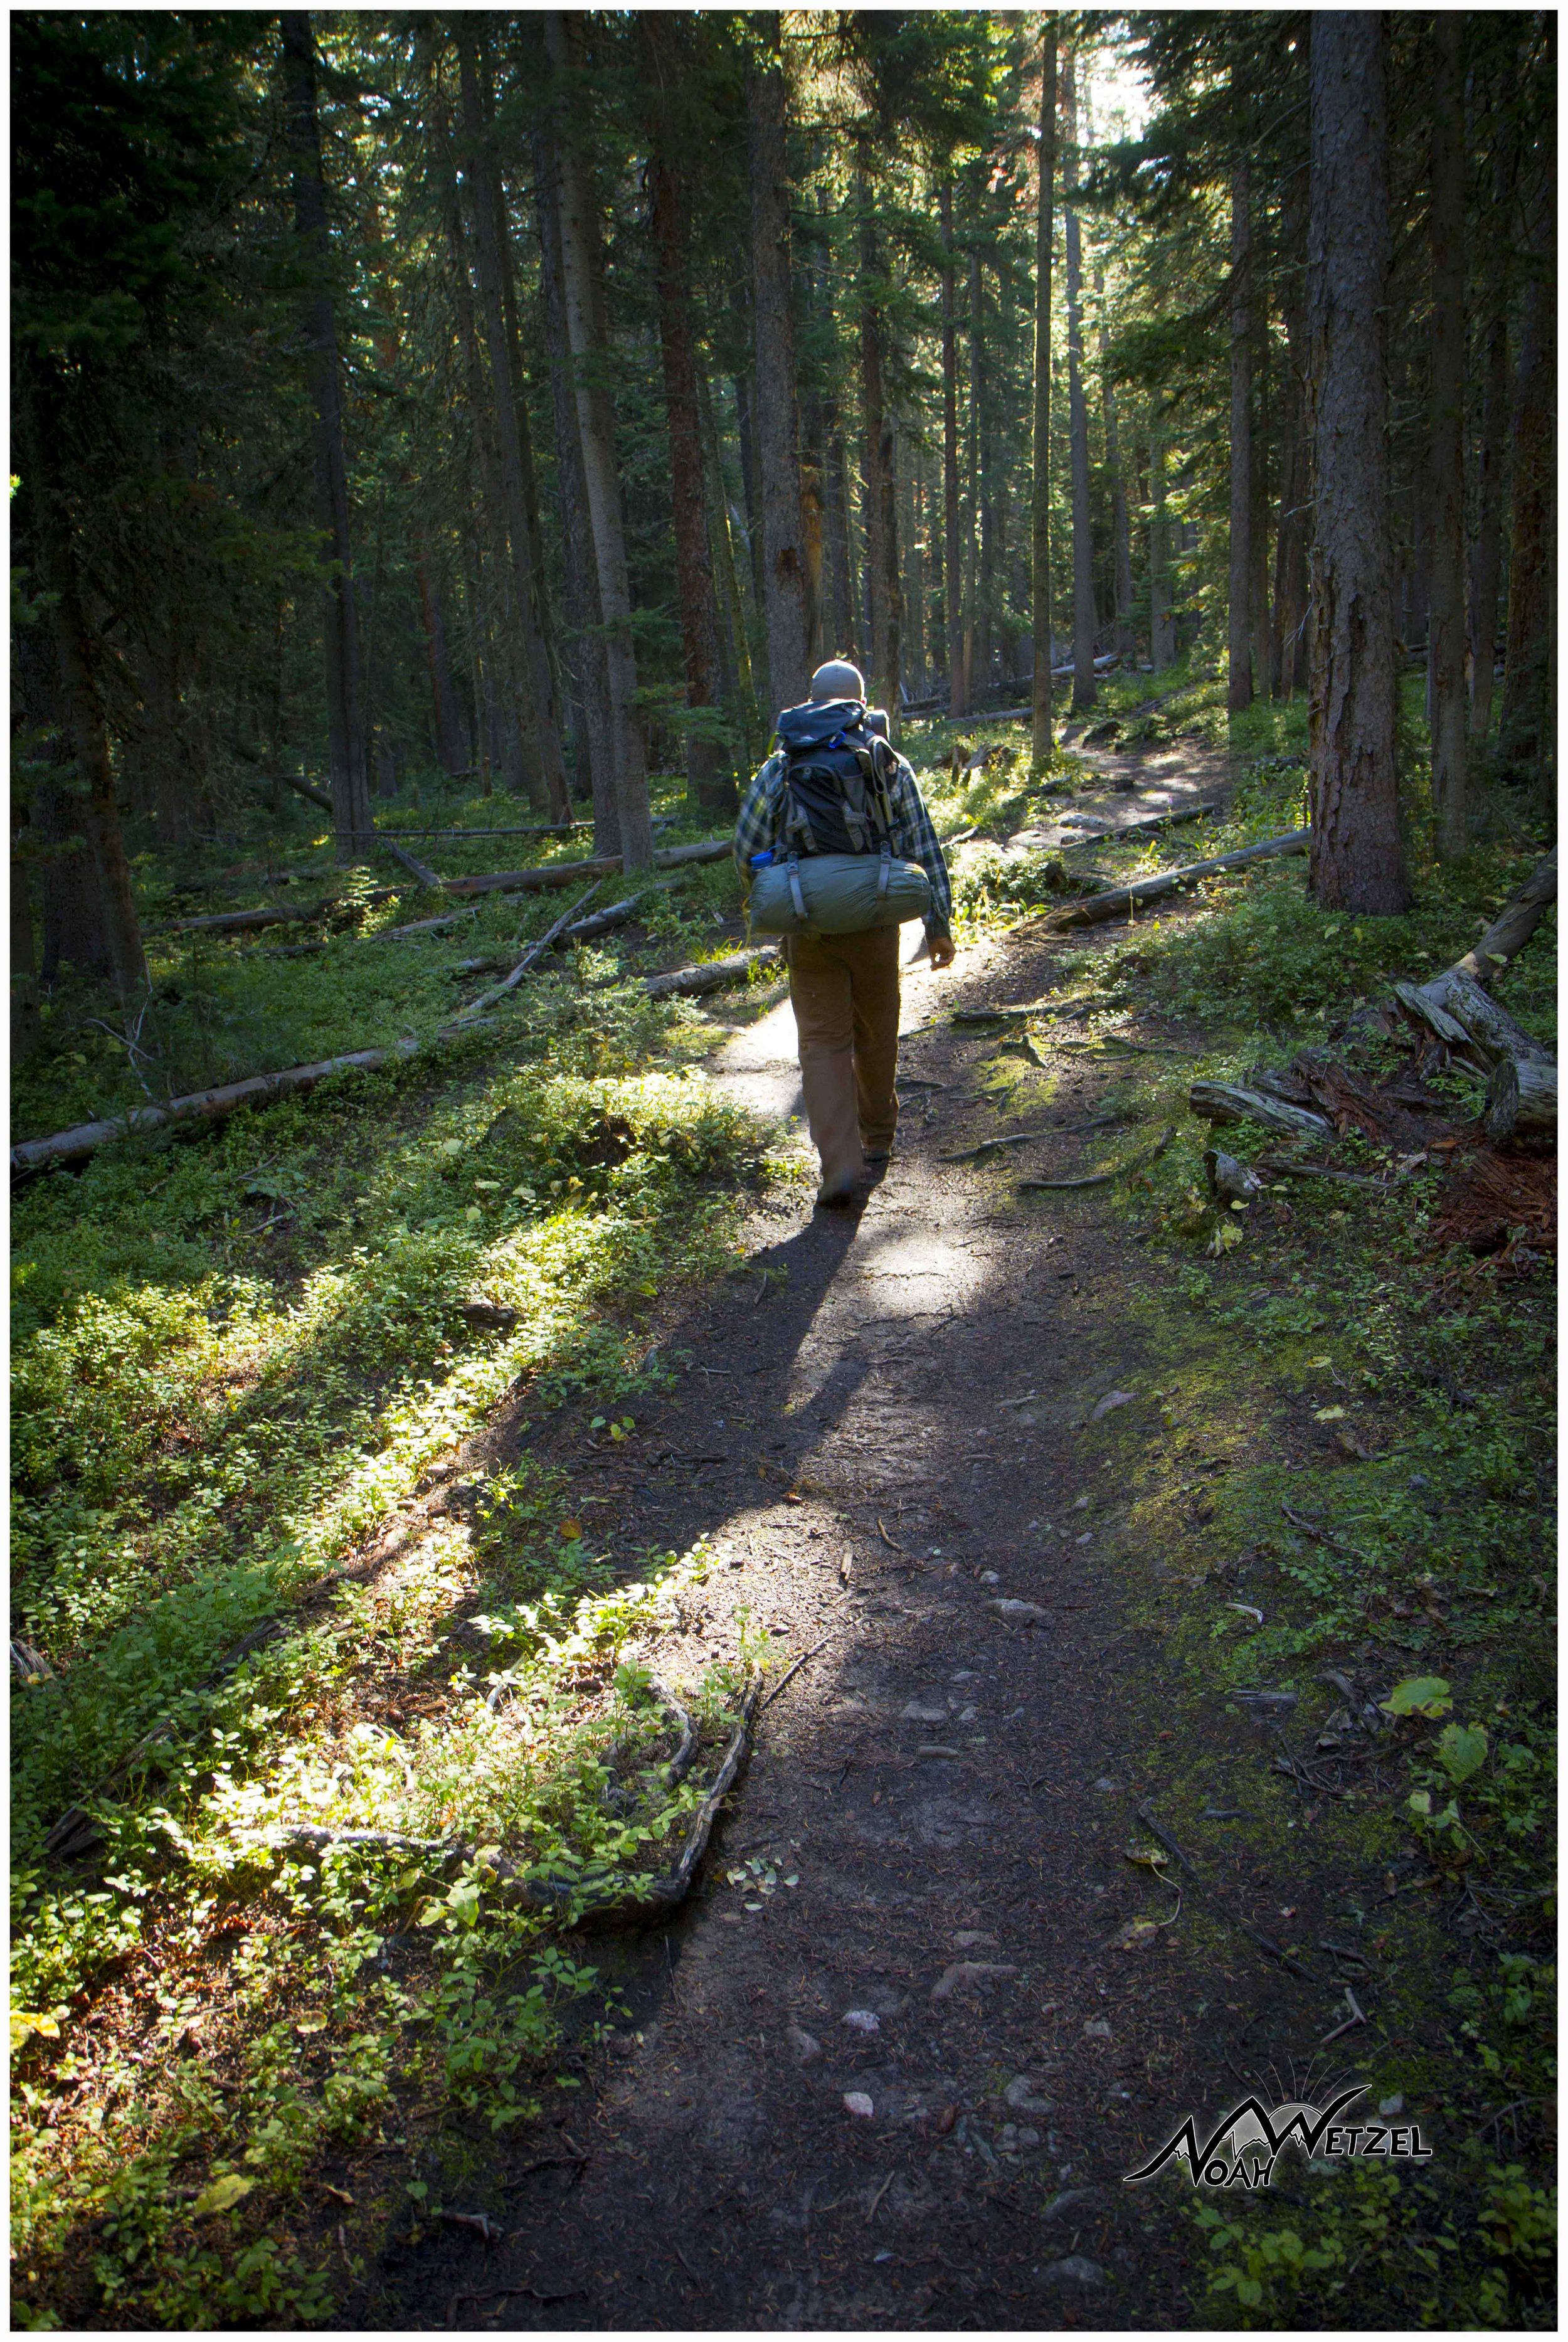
[(411, 863), (235, 922), (270, 915), (1515, 925), (1116, 900), (1490, 1031), (712, 976), (535, 953), (77, 1144), (567, 873), (423, 927), (1521, 1099), (1224, 1102), (1230, 1182), (1285, 1167)]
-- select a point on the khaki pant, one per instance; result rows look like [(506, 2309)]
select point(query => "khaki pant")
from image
[(844, 993)]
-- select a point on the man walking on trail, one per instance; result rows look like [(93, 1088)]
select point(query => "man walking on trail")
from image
[(833, 779)]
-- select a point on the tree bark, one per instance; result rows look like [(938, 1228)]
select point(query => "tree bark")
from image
[(981, 571), (1287, 634), (1492, 451), (1486, 554), (348, 745), (595, 738), (73, 927), (952, 543), (449, 749), (580, 268), (841, 605), (1523, 729), (1357, 855), (710, 787), (1042, 745), (1121, 522), (1239, 688), (785, 613), (876, 474), (542, 711), (1447, 499), (1162, 621), (1085, 691)]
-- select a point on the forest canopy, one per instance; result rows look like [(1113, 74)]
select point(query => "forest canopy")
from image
[(533, 398)]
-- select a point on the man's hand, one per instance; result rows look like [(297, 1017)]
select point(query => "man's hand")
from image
[(941, 949)]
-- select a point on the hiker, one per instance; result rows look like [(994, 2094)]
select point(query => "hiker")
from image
[(835, 848)]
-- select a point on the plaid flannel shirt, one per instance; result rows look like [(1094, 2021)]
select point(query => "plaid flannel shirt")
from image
[(912, 837)]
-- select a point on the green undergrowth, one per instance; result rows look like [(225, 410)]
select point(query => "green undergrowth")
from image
[(225, 1007), (1340, 1461), (237, 1356)]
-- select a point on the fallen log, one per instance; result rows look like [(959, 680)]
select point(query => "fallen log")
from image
[(76, 1144), (1164, 819), (422, 926), (270, 915), (521, 829), (233, 923), (712, 976), (1458, 1000), (1514, 923), (535, 953), (1521, 1099), (1227, 1102), (567, 873), (1286, 1166), (1118, 900), (292, 781), (411, 863)]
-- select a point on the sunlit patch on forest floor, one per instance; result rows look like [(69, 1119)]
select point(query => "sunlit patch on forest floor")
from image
[(445, 1373)]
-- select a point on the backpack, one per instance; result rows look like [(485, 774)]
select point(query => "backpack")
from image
[(837, 771)]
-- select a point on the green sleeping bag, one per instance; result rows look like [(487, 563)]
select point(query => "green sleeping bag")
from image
[(837, 895)]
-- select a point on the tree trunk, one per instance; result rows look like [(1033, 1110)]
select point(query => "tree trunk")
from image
[(785, 614), (877, 492), (349, 748), (1121, 523), (1041, 743), (580, 269), (1486, 554), (729, 574), (1162, 621), (952, 544), (840, 605), (1239, 690), (544, 718), (1357, 855), (1085, 692), (911, 536), (1447, 238), (981, 570), (709, 785), (73, 928), (1524, 740), (449, 748), (1287, 634), (591, 676)]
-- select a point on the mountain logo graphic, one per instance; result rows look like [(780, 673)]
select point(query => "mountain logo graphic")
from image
[(1241, 2149)]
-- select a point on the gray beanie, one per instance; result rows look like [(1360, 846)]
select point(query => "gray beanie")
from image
[(837, 680)]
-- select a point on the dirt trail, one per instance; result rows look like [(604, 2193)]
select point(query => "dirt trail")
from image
[(947, 1787)]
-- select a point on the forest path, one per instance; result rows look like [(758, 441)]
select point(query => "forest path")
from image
[(935, 1785)]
